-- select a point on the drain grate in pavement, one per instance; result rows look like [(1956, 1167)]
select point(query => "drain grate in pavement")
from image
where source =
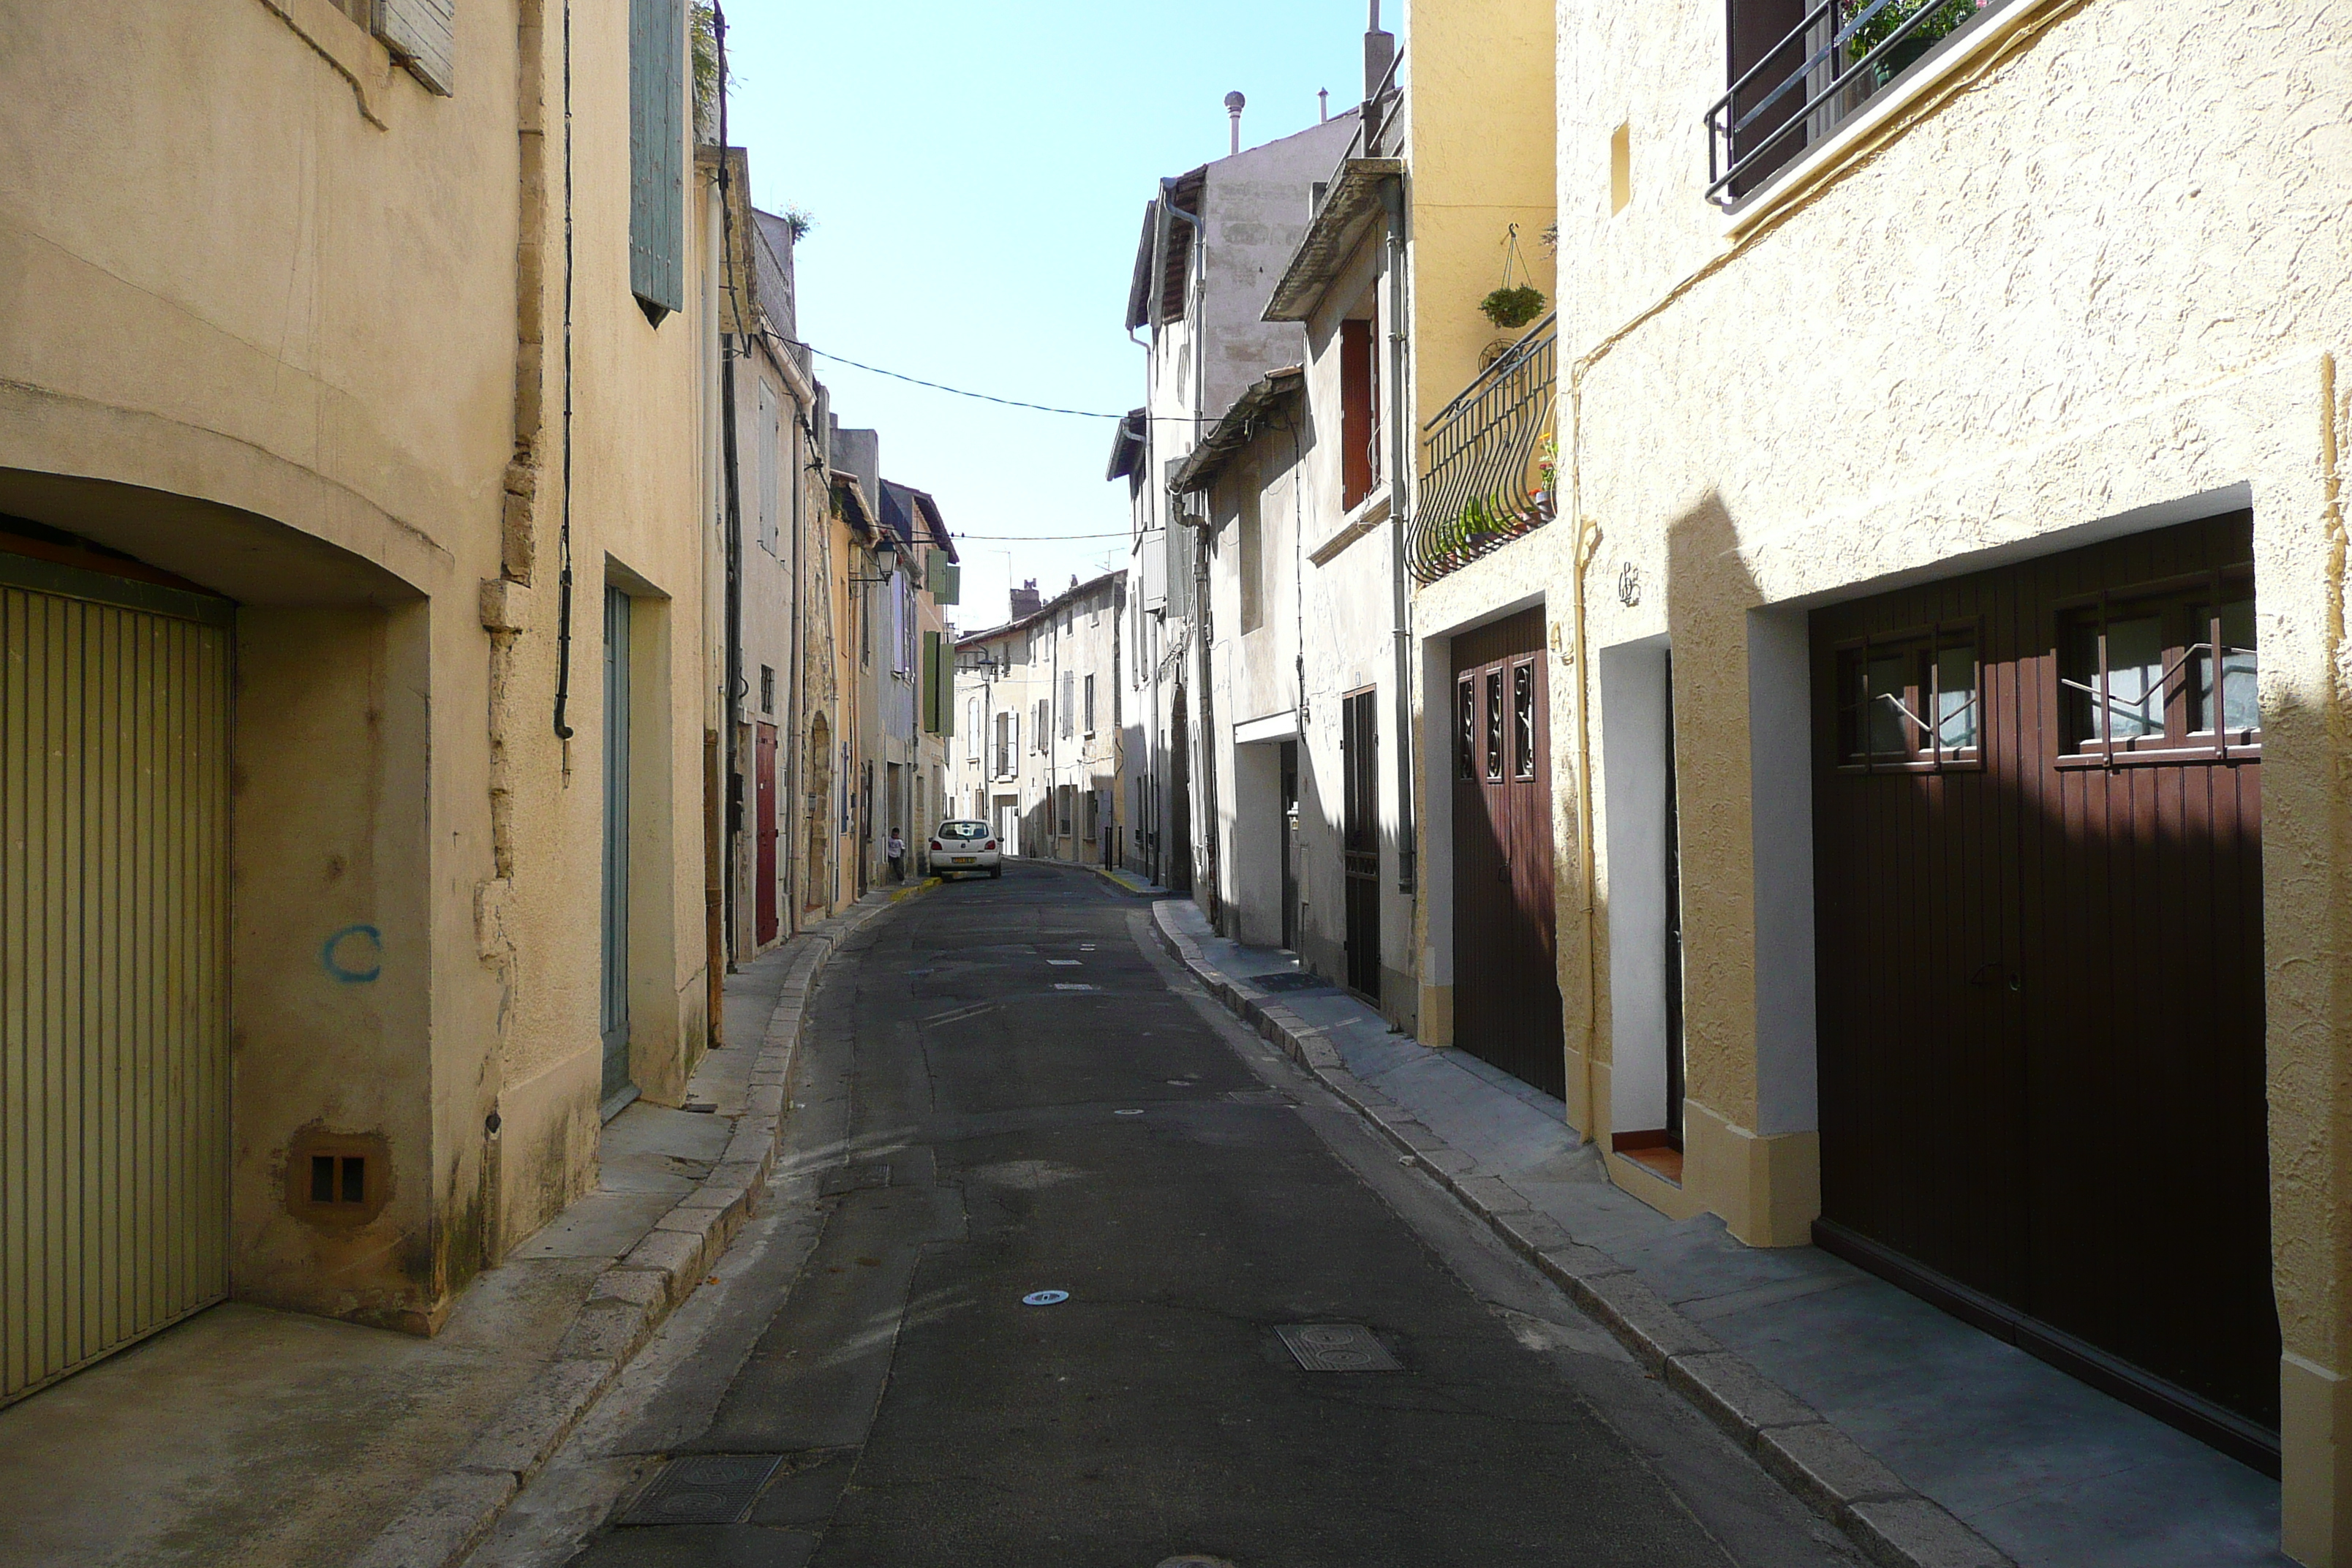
[(704, 1488), (1279, 981), (1337, 1347)]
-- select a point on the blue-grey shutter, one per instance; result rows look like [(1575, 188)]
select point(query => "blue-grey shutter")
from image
[(658, 154), (420, 33)]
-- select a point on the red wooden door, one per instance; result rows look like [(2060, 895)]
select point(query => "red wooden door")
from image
[(1506, 1007), (764, 836), (2037, 882)]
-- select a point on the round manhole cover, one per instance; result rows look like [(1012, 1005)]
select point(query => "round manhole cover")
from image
[(1045, 1297)]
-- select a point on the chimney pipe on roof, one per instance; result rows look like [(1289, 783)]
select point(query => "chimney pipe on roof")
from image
[(1233, 102), (1380, 53), (1322, 105)]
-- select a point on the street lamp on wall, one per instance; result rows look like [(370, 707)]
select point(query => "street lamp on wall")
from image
[(885, 561)]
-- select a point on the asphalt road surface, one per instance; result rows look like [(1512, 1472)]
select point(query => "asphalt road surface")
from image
[(1008, 1090)]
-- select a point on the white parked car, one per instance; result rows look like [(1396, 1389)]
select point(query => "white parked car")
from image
[(961, 846)]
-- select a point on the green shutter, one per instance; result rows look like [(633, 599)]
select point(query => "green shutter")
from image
[(946, 579), (932, 682), (658, 154), (946, 686)]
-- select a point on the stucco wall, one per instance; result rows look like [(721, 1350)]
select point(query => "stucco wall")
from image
[(1479, 79), (2006, 321), (271, 316)]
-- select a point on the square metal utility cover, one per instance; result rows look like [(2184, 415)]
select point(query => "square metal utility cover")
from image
[(1337, 1347), (704, 1488), (1300, 982)]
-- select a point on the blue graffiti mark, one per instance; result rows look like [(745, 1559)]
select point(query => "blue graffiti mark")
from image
[(331, 955)]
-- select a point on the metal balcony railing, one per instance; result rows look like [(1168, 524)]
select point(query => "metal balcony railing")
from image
[(1487, 479), (1802, 88)]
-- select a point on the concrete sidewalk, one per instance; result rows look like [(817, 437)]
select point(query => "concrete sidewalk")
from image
[(263, 1438), (1922, 1437)]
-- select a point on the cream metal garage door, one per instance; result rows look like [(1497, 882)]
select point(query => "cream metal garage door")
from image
[(114, 1074)]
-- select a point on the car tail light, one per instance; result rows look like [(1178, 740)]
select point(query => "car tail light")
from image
[(938, 847), (990, 845)]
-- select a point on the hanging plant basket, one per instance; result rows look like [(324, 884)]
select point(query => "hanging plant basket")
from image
[(1513, 308)]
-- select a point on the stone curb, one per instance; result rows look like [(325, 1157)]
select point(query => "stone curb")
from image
[(452, 1514), (1895, 1525), (1105, 873)]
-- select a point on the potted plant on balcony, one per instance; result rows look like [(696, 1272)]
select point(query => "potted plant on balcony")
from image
[(1949, 16), (1508, 306), (1511, 309)]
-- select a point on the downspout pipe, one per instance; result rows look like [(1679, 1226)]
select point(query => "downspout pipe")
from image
[(1399, 516), (731, 315), (564, 577), (1204, 636)]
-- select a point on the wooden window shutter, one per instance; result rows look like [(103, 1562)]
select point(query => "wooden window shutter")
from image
[(658, 155), (421, 35), (932, 682), (947, 687)]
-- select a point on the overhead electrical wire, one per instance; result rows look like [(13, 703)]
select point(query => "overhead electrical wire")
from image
[(1047, 538), (981, 397)]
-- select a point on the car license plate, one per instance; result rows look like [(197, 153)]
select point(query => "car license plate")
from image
[(965, 859)]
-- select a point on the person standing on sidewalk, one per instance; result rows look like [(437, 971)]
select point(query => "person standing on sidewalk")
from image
[(896, 850)]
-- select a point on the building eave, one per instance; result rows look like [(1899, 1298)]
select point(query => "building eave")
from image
[(1043, 612), (1126, 446), (1348, 208), (1233, 432)]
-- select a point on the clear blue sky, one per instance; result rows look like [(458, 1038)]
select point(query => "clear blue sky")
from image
[(978, 176)]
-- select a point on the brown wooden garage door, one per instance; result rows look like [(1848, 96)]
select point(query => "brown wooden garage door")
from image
[(1506, 979), (2039, 886)]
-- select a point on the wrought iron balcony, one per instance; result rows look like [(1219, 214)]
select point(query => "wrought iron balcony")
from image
[(1490, 471), (1799, 90)]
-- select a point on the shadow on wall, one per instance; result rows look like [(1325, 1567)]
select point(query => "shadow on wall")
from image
[(1708, 591)]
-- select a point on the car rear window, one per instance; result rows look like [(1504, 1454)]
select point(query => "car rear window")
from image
[(961, 830)]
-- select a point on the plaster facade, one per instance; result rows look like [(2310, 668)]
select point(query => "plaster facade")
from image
[(332, 388), (1045, 690), (1213, 241), (1294, 629), (1987, 321), (779, 509)]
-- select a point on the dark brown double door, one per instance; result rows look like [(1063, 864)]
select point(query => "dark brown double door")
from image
[(1505, 982), (2037, 806)]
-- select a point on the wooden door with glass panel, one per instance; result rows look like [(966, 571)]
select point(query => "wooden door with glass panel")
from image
[(2038, 919), (1506, 1008)]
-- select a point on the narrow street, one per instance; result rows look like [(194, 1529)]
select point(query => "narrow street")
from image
[(1009, 1091)]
